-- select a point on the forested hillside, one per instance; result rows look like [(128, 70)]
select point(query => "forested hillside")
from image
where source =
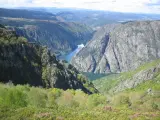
[(27, 63), (43, 28)]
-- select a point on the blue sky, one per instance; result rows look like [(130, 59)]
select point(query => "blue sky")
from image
[(135, 6)]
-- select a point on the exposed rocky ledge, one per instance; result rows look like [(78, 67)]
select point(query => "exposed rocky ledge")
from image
[(138, 78)]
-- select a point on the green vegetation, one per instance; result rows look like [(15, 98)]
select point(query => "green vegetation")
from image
[(143, 97), (25, 102), (106, 83), (20, 102), (87, 84), (9, 37), (30, 63)]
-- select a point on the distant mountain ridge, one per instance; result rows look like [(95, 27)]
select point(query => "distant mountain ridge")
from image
[(28, 14), (96, 19), (120, 48)]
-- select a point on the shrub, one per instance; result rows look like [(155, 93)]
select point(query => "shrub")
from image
[(37, 97), (67, 100), (12, 97), (81, 98), (95, 100), (53, 95), (121, 100), (154, 106)]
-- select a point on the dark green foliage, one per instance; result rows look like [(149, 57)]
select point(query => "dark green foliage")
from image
[(18, 67), (29, 63), (9, 37), (88, 84), (1, 26)]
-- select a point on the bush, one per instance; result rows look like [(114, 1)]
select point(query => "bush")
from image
[(96, 100), (67, 100), (121, 100), (154, 106), (37, 97), (81, 98), (12, 97), (24, 102), (53, 95)]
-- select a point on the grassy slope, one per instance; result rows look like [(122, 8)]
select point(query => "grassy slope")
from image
[(106, 83), (137, 99)]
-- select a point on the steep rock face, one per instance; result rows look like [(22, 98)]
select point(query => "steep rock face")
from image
[(92, 55), (120, 48), (25, 63)]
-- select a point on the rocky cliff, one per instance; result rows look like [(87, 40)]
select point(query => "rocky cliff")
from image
[(120, 48), (136, 78), (26, 63)]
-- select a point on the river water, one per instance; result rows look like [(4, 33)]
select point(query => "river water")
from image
[(69, 56)]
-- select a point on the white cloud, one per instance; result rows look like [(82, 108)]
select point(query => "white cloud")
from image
[(143, 6)]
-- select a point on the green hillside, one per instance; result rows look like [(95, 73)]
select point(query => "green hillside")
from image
[(105, 84), (25, 102), (35, 85), (144, 96)]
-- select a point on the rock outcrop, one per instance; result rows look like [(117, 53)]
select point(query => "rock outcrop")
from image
[(146, 77), (26, 63), (137, 79), (120, 48)]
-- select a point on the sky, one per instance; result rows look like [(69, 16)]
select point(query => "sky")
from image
[(134, 6)]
